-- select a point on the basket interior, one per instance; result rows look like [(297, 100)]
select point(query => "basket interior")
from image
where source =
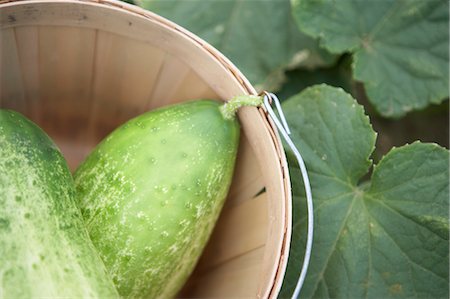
[(81, 69)]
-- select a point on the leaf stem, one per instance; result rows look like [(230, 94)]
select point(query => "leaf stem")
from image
[(230, 108)]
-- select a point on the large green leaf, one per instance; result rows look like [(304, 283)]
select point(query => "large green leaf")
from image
[(260, 37), (383, 238), (400, 47)]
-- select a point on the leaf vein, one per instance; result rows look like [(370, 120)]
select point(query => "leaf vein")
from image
[(341, 229), (319, 207), (405, 182), (398, 212), (384, 19), (369, 270), (322, 119), (404, 253)]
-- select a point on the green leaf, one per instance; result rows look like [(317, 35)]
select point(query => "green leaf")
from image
[(296, 80), (260, 37), (400, 47), (383, 238)]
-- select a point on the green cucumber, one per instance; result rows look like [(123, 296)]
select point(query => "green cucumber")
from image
[(45, 251), (151, 192)]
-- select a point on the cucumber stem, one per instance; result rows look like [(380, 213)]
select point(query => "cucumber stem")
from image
[(230, 108)]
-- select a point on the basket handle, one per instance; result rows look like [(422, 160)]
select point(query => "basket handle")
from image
[(283, 128)]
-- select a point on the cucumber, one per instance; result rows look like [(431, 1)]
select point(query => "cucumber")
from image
[(45, 250), (151, 192)]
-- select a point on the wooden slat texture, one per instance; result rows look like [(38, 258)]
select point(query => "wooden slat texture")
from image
[(66, 56), (236, 279), (124, 74), (12, 93), (172, 74), (192, 87), (269, 155), (247, 180), (139, 25), (177, 82), (27, 40), (240, 229)]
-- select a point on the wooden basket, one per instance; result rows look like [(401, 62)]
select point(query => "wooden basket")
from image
[(81, 68)]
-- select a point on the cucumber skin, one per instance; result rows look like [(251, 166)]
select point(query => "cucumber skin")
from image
[(151, 192), (45, 250)]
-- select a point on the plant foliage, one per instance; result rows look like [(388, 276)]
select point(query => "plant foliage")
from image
[(400, 47), (382, 238)]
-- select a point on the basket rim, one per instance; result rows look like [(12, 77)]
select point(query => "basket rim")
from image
[(247, 87)]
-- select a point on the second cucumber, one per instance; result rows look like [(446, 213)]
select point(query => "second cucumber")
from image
[(151, 192)]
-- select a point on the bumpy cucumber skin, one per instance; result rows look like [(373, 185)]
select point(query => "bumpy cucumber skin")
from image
[(45, 251), (151, 192)]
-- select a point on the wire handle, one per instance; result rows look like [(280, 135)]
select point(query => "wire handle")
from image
[(285, 132)]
